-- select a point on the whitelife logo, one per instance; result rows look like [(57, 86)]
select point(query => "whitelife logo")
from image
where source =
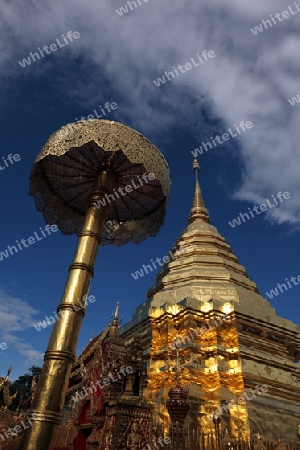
[(53, 48), (165, 259), (259, 389), (18, 429), (292, 101), (161, 440), (51, 320), (128, 188), (188, 66), (186, 340), (226, 136), (108, 106), (69, 128), (274, 292), (267, 23), (11, 158), (124, 9), (79, 396), (31, 240), (263, 207)]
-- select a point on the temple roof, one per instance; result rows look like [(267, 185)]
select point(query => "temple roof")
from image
[(111, 331)]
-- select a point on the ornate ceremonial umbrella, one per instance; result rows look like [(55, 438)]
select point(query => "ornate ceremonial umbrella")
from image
[(77, 183)]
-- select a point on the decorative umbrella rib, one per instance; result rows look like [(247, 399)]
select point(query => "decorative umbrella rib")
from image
[(125, 163), (67, 167), (70, 159), (140, 204), (144, 194), (86, 164)]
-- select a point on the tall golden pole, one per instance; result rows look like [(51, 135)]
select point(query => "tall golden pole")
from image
[(61, 352), (88, 162)]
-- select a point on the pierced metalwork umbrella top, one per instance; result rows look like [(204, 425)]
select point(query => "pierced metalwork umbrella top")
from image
[(66, 170)]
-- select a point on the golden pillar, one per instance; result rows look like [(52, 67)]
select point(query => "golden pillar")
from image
[(61, 352), (78, 166)]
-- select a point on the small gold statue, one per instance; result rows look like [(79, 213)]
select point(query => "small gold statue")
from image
[(133, 438), (259, 445)]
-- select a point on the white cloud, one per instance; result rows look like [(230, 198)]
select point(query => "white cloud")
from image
[(17, 316), (250, 78)]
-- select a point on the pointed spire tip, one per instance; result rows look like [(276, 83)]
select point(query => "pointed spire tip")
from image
[(198, 211), (196, 165), (117, 310)]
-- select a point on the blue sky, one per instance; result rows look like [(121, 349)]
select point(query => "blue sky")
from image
[(116, 59)]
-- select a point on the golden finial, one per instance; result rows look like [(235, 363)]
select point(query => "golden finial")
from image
[(116, 316), (198, 211), (114, 321), (196, 165)]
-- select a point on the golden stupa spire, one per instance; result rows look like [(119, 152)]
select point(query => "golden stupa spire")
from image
[(198, 211)]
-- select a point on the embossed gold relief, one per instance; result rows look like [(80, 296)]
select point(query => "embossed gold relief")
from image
[(173, 309), (213, 362), (156, 312), (206, 307), (227, 308)]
